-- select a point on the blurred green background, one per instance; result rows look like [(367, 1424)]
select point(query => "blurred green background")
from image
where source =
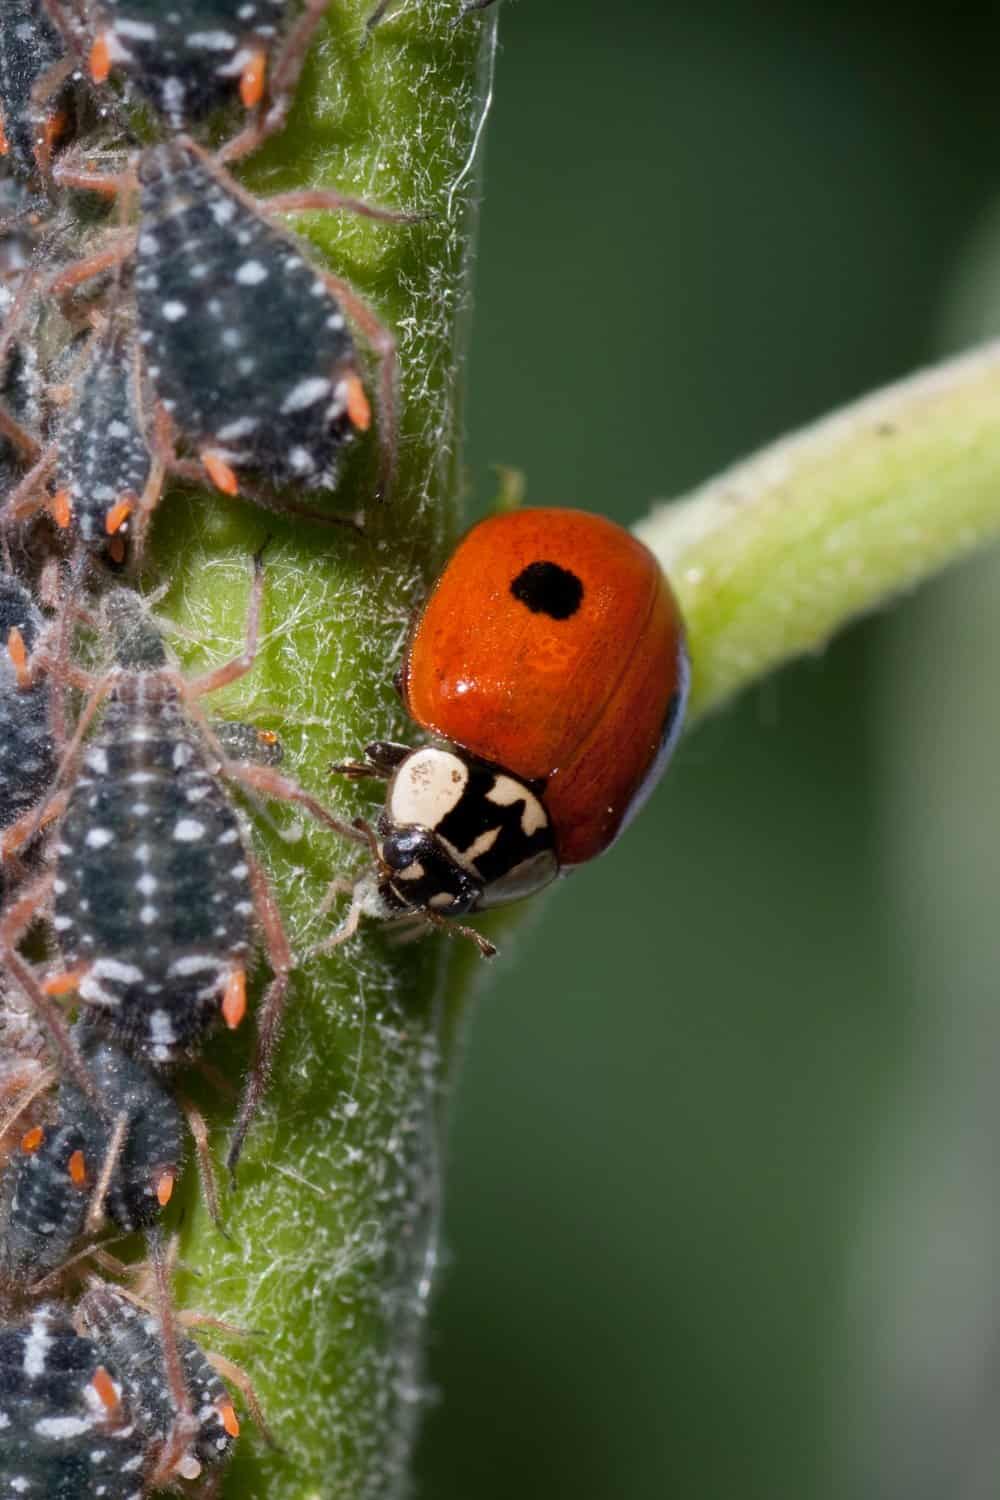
[(722, 1214)]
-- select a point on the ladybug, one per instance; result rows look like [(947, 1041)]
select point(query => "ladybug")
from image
[(550, 670)]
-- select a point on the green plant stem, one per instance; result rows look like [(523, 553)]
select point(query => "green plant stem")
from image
[(332, 1227), (778, 553)]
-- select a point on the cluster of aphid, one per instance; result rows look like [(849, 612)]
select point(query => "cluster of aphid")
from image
[(197, 338)]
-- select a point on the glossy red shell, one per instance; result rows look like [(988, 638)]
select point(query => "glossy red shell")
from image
[(581, 702)]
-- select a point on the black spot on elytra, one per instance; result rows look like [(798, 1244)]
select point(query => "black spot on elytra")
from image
[(548, 589)]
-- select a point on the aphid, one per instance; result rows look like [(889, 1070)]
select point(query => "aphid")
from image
[(550, 667), (66, 1434), (117, 1157), (197, 55), (131, 1339), (27, 747), (245, 340), (101, 463), (155, 890), (32, 67)]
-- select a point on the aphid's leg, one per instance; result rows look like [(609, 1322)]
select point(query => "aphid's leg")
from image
[(26, 828), (241, 1380), (270, 783), (93, 265), (173, 1459), (383, 343), (18, 834), (50, 123), (20, 438), (13, 925), (269, 1014), (30, 494), (473, 5), (95, 1210), (225, 479), (26, 1093), (203, 1156), (379, 14), (285, 72), (161, 451), (327, 200)]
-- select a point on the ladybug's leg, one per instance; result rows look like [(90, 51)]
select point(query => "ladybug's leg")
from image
[(381, 758), (459, 929), (279, 956)]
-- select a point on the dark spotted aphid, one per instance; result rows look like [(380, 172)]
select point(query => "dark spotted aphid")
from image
[(105, 471), (131, 1339), (115, 1158), (32, 104), (153, 903), (64, 1431), (187, 57), (27, 748), (245, 340), (154, 888), (246, 346)]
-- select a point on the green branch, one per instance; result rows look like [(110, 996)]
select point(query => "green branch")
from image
[(778, 553), (333, 1224)]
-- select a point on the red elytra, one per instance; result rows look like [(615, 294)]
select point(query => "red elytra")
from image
[(553, 647)]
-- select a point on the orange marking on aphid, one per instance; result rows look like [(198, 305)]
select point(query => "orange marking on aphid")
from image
[(230, 1420), (52, 128), (118, 515), (116, 549), (17, 651), (65, 983), (77, 1168), (100, 59), (61, 509), (234, 1001), (32, 1139), (220, 473), (165, 1186), (359, 410), (104, 1388), (252, 79), (267, 736), (4, 145)]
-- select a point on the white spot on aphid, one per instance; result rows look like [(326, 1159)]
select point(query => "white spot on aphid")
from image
[(36, 1347), (188, 830), (251, 273), (174, 310), (99, 838), (306, 393), (62, 1427)]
